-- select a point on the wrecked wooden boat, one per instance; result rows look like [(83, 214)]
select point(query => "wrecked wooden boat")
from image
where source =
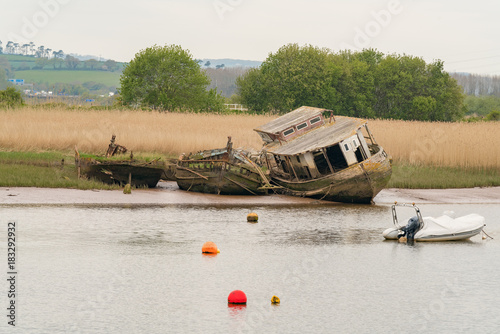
[(115, 168), (311, 153), (224, 171)]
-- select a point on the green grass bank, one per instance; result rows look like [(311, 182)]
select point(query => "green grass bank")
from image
[(57, 170)]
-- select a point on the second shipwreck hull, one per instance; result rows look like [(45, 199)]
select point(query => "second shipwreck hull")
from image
[(218, 177), (309, 152), (137, 173), (223, 171)]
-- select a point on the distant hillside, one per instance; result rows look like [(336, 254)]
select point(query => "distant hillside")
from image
[(23, 63), (110, 79), (62, 76), (83, 75), (87, 57), (230, 63)]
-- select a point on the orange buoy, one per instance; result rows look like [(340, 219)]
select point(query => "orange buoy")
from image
[(252, 217), (237, 297), (210, 248)]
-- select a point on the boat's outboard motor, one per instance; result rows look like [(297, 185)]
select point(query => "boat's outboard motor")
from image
[(410, 229)]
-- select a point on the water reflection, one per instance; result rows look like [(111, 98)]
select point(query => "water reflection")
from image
[(237, 315)]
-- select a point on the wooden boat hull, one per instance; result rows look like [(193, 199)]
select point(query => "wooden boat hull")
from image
[(141, 174), (359, 183), (218, 177)]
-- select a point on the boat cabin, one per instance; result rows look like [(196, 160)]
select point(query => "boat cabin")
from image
[(309, 143)]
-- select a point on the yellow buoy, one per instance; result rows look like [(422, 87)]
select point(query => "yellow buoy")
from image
[(275, 300), (252, 217)]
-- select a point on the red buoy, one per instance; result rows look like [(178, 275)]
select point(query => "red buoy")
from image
[(237, 297)]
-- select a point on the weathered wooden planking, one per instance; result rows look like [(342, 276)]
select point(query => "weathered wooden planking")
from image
[(292, 118)]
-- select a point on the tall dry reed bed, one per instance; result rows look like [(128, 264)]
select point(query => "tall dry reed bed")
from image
[(32, 128), (440, 144), (140, 131)]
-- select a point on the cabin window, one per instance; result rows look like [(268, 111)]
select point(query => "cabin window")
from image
[(301, 126), (346, 147), (288, 132), (315, 120), (355, 143)]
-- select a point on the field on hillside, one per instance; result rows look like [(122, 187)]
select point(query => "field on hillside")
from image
[(69, 77), (420, 143)]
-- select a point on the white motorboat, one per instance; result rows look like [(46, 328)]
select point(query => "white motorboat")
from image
[(443, 228)]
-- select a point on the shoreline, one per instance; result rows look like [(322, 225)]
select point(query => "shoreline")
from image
[(168, 193)]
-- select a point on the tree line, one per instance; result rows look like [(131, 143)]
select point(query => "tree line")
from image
[(46, 57), (478, 85), (365, 84), (73, 63), (29, 49)]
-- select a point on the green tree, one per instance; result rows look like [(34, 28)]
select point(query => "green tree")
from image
[(56, 62), (356, 83), (71, 62), (110, 64), (481, 105), (252, 90), (3, 79), (167, 78), (92, 63), (289, 78), (493, 116), (10, 97), (40, 63), (360, 84), (5, 64)]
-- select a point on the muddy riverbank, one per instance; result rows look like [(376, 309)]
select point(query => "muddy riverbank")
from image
[(169, 193)]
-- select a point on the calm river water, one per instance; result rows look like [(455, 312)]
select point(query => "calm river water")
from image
[(139, 269)]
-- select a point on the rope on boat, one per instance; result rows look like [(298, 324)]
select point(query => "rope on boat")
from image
[(487, 235), (326, 193), (192, 171), (192, 182), (239, 184)]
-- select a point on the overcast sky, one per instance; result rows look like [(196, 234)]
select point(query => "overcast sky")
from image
[(464, 34)]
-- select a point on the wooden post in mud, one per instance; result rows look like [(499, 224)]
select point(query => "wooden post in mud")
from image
[(128, 186), (77, 161)]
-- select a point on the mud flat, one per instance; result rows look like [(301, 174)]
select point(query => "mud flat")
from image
[(165, 193), (169, 193), (486, 195)]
